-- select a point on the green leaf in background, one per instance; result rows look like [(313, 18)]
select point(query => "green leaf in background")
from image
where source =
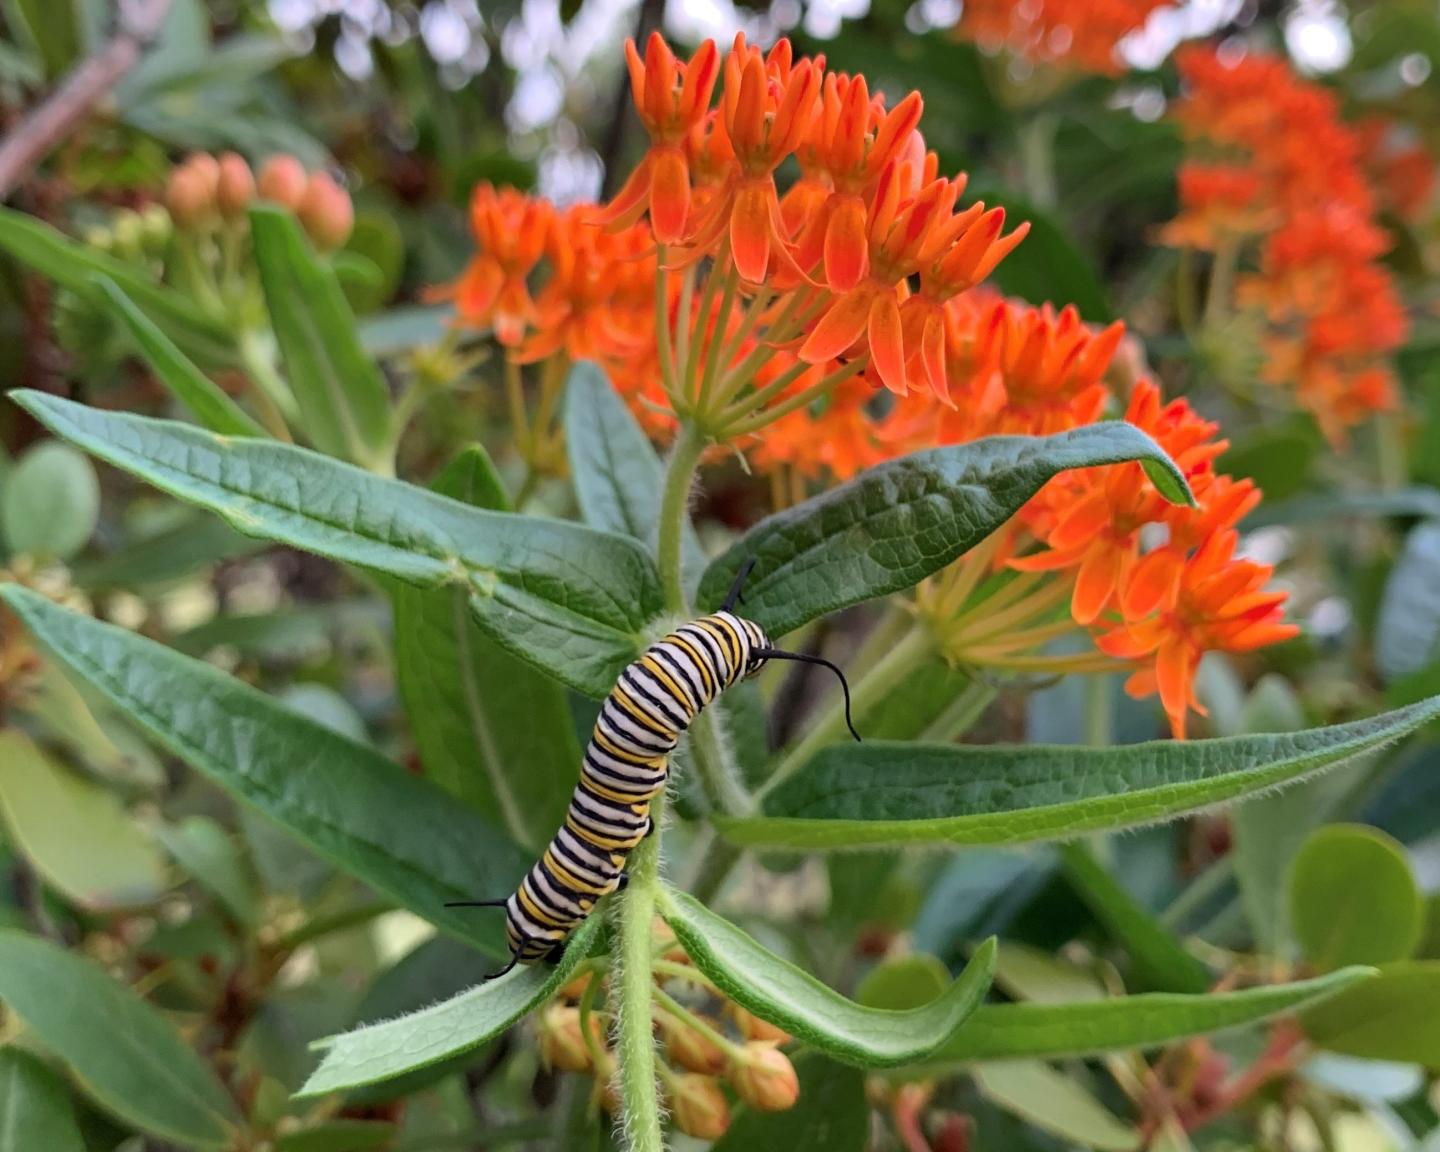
[(126, 1055), (1055, 1103), (52, 28), (210, 854), (1407, 634), (344, 402), (490, 729), (1160, 961), (1149, 1020), (194, 544), (904, 982), (73, 265), (35, 1110), (1336, 507), (1047, 267), (399, 834), (618, 478), (205, 399), (382, 1051), (1353, 898), (776, 990), (1395, 1016), (400, 329), (74, 833), (571, 600), (1026, 973), (896, 794), (904, 520), (50, 503), (90, 731), (832, 1114), (338, 1136)]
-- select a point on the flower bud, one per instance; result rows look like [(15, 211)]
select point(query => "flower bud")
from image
[(689, 1049), (576, 987), (128, 235), (562, 1043), (764, 1078), (190, 196), (283, 179), (699, 1106), (754, 1028), (237, 186), (99, 237), (157, 225), (326, 212)]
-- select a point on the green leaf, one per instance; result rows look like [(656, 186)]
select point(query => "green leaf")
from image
[(126, 1056), (35, 1110), (51, 502), (52, 29), (400, 329), (75, 833), (74, 266), (777, 991), (905, 982), (343, 399), (89, 731), (832, 1115), (382, 1051), (1334, 507), (338, 1136), (205, 399), (618, 478), (399, 834), (906, 519), (1150, 1020), (1159, 959), (1407, 634), (897, 794), (490, 729), (1353, 898), (1395, 1016), (1026, 973), (210, 854), (1055, 1103), (572, 601), (171, 554)]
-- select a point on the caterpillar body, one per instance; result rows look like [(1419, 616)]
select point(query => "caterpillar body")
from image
[(626, 765)]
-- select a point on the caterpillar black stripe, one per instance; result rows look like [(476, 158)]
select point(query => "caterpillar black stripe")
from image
[(625, 767)]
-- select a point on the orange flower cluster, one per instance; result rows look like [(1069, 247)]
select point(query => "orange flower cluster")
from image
[(1154, 585), (1082, 33), (1272, 164), (707, 293)]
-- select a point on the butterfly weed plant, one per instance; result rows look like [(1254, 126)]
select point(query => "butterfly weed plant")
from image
[(958, 500)]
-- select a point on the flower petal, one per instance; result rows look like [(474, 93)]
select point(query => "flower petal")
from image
[(887, 342), (838, 329)]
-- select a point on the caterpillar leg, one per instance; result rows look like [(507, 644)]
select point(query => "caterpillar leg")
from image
[(496, 975), (555, 955), (622, 881), (649, 828)]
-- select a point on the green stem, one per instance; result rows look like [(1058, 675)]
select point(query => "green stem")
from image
[(716, 861), (960, 716), (908, 654), (635, 1047), (1222, 278), (274, 400), (1185, 293), (1037, 159), (677, 1010), (679, 476), (1099, 726), (1392, 451)]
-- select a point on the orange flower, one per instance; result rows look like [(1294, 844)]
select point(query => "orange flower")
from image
[(1079, 32), (672, 100), (1220, 606), (1218, 202), (767, 104), (851, 142), (511, 230)]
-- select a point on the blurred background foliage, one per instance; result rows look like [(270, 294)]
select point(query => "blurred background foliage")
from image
[(258, 947)]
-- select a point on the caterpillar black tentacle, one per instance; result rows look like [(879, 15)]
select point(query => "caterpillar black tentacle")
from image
[(625, 766)]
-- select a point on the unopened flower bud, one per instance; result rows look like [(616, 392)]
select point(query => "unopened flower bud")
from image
[(764, 1077), (576, 987), (157, 225), (562, 1043), (128, 235), (283, 179), (237, 186), (754, 1028), (689, 1049), (605, 1088), (98, 237), (326, 212), (190, 197), (699, 1106)]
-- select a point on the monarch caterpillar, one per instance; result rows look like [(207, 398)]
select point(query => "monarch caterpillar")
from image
[(625, 767)]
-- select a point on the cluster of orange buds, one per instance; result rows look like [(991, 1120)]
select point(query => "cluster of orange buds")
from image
[(206, 191), (710, 297), (1271, 165), (1079, 33), (710, 1044)]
